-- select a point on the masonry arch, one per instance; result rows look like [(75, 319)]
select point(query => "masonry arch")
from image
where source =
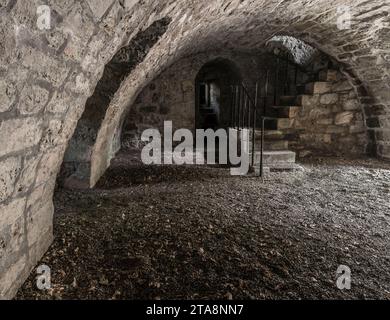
[(76, 168), (310, 31), (213, 93), (110, 129)]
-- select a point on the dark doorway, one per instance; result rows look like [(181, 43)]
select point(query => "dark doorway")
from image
[(213, 94)]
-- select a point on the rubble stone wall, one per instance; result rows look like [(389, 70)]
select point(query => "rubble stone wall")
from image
[(330, 122), (171, 96)]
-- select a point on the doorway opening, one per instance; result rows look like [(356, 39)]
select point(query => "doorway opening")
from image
[(213, 94)]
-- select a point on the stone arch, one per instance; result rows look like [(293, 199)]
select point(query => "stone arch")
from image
[(215, 78), (171, 96), (76, 168), (66, 64), (101, 156), (310, 27)]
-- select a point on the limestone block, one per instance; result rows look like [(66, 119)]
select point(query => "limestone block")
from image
[(318, 87), (33, 99), (24, 13), (56, 39), (337, 108), (25, 133), (335, 129), (304, 153), (382, 135), (359, 116), (9, 171), (63, 6), (49, 166), (112, 19), (11, 232), (55, 71), (351, 104), (39, 213), (27, 175), (308, 101), (60, 102), (384, 150), (7, 44), (187, 85), (330, 98), (327, 138), (384, 121), (344, 118), (358, 127), (10, 280), (99, 7), (343, 97), (53, 135), (79, 84), (319, 112), (129, 4), (7, 95), (79, 29), (347, 141), (341, 86), (328, 75), (325, 121)]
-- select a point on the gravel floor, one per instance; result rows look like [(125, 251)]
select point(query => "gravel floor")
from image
[(198, 233)]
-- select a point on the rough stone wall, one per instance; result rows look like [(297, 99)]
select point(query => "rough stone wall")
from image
[(299, 52), (47, 76), (330, 122), (168, 98)]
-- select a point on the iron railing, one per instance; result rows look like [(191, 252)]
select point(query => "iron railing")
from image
[(249, 110)]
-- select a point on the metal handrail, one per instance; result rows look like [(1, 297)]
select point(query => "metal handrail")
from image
[(245, 107)]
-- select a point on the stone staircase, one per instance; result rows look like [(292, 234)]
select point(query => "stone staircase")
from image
[(280, 129)]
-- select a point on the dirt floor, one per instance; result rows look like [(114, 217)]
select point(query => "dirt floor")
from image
[(199, 233)]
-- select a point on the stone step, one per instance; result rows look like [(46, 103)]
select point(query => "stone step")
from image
[(269, 135), (273, 135), (318, 87), (287, 111), (276, 135), (304, 99), (279, 124), (328, 75), (271, 145), (276, 145), (276, 157)]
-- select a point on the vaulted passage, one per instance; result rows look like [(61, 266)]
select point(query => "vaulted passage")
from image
[(305, 84), (76, 170)]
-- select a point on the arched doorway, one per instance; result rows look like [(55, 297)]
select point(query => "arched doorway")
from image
[(213, 93)]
